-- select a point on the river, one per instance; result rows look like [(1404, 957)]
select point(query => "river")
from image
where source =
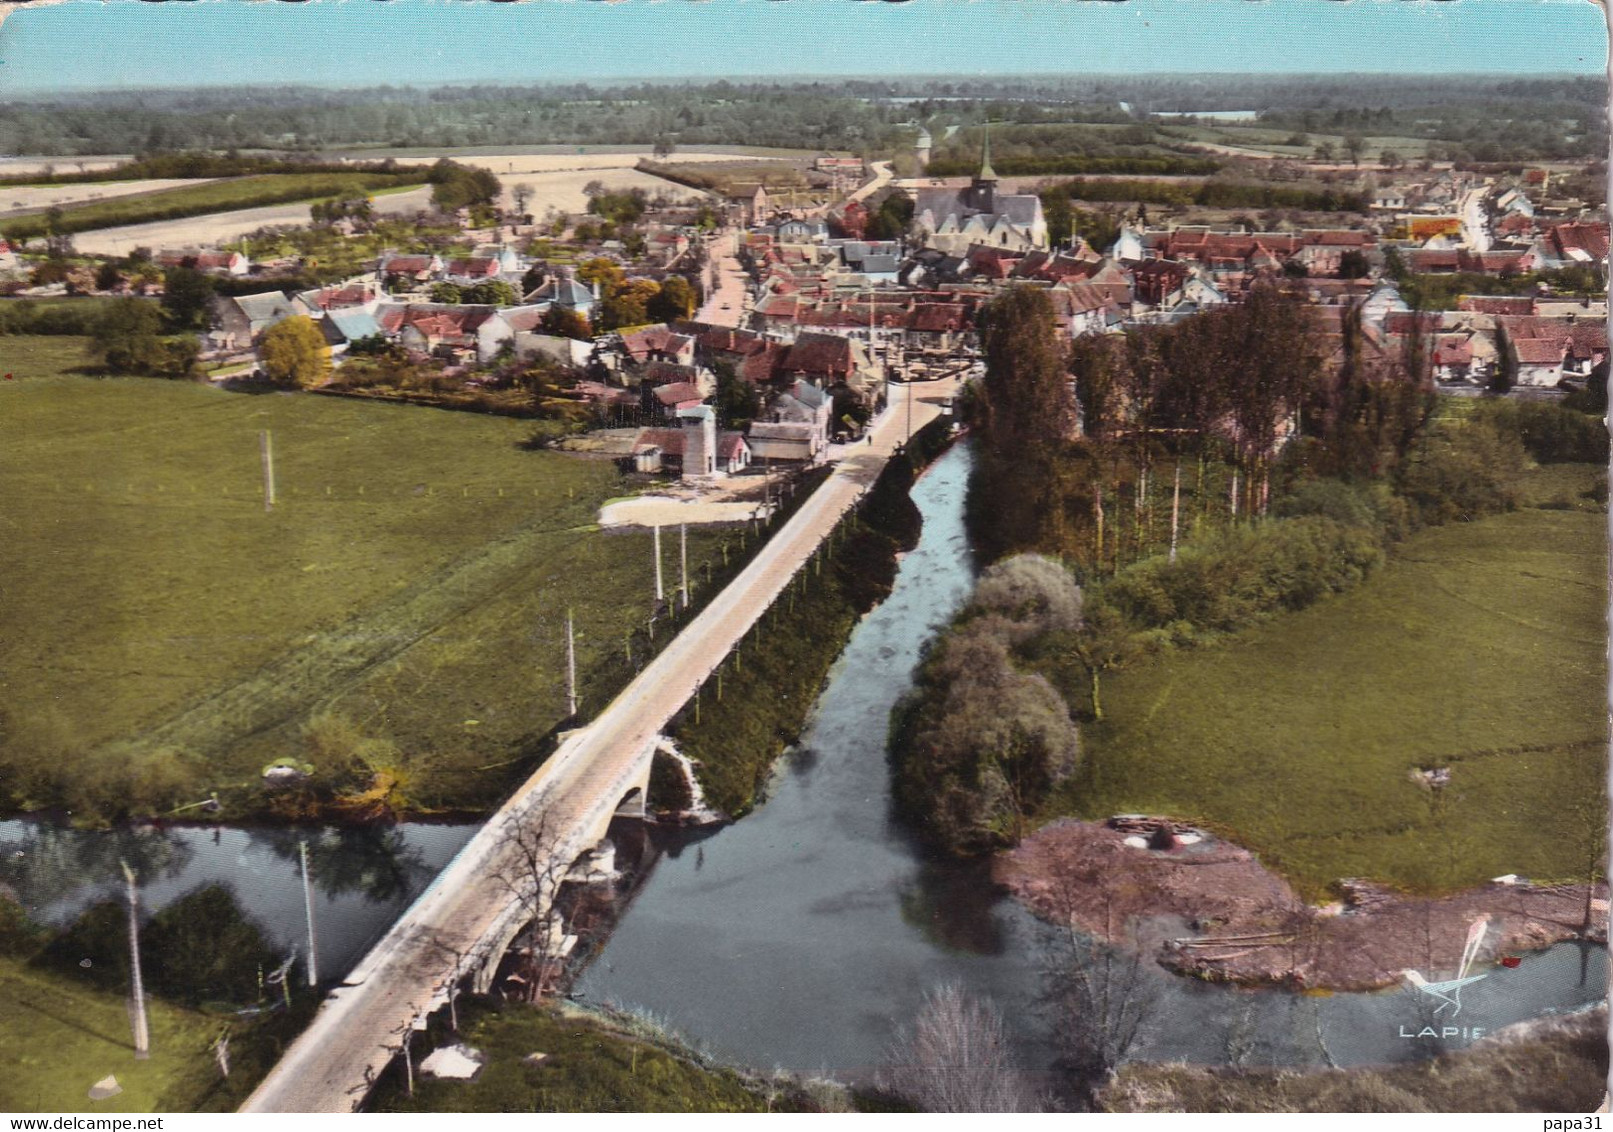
[(802, 935)]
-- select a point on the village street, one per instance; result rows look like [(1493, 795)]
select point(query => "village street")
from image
[(726, 304)]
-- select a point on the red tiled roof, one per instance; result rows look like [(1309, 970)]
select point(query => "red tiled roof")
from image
[(1453, 351), (1496, 304), (820, 354), (472, 266), (1590, 238), (1539, 351), (668, 440), (679, 394), (730, 445), (1410, 322), (408, 264)]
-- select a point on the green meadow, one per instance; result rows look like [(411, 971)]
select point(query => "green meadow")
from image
[(1479, 647)]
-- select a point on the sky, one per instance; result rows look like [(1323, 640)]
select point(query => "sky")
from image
[(124, 43)]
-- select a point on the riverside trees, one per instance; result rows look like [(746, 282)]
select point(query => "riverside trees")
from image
[(979, 743)]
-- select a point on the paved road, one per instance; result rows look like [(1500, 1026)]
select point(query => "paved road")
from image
[(726, 305), (354, 1035), (1475, 232), (882, 177)]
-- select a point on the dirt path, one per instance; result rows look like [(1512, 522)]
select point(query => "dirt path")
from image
[(1211, 909)]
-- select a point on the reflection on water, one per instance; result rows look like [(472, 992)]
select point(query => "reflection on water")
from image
[(802, 935), (363, 877)]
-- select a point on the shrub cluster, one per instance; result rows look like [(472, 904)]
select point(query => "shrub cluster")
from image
[(1241, 575), (978, 744)]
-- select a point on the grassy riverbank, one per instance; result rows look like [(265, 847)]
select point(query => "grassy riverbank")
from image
[(593, 1062), (1551, 1065), (60, 1036), (1478, 647), (410, 587)]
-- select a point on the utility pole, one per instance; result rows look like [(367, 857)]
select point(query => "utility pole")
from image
[(683, 559), (660, 592), (571, 669), (1176, 503), (308, 912), (142, 1035), (266, 450)]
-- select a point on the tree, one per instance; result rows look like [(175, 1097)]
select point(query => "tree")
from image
[(491, 292), (676, 299), (563, 322), (1101, 644), (1324, 152), (446, 293), (531, 867), (956, 1057), (663, 146), (1024, 416), (737, 400), (606, 273), (521, 194), (295, 353), (127, 338), (628, 304), (1353, 264), (1354, 145), (187, 296), (109, 276), (1101, 997)]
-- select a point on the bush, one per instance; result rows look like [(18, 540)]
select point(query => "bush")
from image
[(200, 948), (978, 745), (1551, 433), (1240, 576), (1464, 472)]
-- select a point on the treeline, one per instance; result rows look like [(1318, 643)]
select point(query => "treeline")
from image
[(202, 164), (1215, 420), (203, 199), (1143, 165), (1216, 193), (806, 115)]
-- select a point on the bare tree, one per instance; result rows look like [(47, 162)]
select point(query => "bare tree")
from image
[(1101, 992), (956, 1057), (533, 867)]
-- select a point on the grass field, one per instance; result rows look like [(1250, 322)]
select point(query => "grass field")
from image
[(25, 356), (212, 196), (592, 1066), (58, 1037), (1479, 647), (413, 579)]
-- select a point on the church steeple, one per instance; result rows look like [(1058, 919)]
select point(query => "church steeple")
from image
[(987, 173)]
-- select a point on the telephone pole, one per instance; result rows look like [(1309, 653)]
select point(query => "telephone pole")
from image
[(571, 669), (308, 912), (683, 559), (142, 1034), (660, 592)]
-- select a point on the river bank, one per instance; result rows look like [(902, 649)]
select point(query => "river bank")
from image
[(1205, 907)]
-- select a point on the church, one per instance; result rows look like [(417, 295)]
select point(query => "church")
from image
[(954, 220)]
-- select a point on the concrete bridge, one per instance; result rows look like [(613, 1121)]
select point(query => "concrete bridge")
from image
[(506, 876)]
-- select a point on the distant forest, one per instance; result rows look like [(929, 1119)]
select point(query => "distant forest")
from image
[(1473, 117)]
